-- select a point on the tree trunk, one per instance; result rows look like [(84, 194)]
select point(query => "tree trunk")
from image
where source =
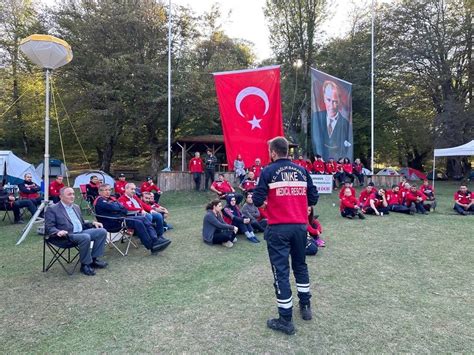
[(16, 96)]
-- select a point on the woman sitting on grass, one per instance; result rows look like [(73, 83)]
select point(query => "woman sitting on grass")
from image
[(314, 228), (214, 229), (232, 215)]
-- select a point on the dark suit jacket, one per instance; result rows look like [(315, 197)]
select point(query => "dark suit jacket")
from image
[(56, 219), (331, 147)]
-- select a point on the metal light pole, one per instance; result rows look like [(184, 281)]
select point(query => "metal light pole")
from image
[(372, 118), (169, 88)]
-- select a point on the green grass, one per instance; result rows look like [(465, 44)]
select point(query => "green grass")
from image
[(393, 284)]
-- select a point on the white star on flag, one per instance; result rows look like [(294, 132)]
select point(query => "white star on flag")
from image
[(255, 123)]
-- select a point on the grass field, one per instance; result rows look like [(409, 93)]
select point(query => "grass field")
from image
[(393, 284)]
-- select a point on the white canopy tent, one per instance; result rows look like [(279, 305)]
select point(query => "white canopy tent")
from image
[(462, 150), (13, 169)]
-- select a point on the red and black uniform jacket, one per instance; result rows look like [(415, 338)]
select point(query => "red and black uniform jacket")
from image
[(394, 198), (147, 187), (364, 197), (128, 204), (319, 166), (378, 200), (249, 185), (257, 170), (29, 190), (358, 168), (314, 228), (465, 199), (303, 163), (288, 189), (196, 165), (341, 193), (92, 190), (412, 197), (222, 186), (331, 168), (119, 187), (54, 188), (347, 168), (427, 190), (348, 202), (232, 213)]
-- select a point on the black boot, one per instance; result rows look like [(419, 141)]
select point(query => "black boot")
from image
[(305, 311), (281, 325)]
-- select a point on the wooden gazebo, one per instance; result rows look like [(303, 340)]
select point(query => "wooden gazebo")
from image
[(200, 144)]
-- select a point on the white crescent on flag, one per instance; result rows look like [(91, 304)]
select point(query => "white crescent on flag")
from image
[(251, 90)]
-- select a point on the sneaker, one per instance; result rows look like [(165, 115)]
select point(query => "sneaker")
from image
[(305, 311), (360, 215), (281, 325), (253, 240), (98, 264), (228, 244), (412, 209), (433, 206), (349, 216), (320, 243), (159, 246), (87, 270), (234, 240)]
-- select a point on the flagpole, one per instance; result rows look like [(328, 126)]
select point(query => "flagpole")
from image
[(372, 118), (169, 88)]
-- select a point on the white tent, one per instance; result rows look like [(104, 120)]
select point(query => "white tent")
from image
[(388, 172), (13, 169), (84, 178), (366, 172), (462, 150)]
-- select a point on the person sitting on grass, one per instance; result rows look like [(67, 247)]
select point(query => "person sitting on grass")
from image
[(214, 229), (365, 194), (232, 215), (377, 204), (249, 184), (249, 210), (314, 228), (149, 186), (429, 192), (147, 197), (395, 201), (347, 185), (463, 201), (414, 200), (223, 189), (349, 206)]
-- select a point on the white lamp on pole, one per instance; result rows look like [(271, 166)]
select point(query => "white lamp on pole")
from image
[(49, 53)]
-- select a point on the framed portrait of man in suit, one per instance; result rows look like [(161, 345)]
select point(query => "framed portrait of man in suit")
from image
[(331, 116)]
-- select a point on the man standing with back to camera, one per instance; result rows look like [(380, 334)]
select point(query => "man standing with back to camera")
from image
[(288, 189)]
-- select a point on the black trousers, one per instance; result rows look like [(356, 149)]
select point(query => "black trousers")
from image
[(283, 241), (197, 181), (399, 209), (18, 205), (349, 212), (222, 237), (209, 176)]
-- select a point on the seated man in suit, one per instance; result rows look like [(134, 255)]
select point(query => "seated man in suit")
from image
[(108, 206), (64, 220)]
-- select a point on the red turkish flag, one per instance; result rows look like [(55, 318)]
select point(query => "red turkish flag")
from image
[(250, 108)]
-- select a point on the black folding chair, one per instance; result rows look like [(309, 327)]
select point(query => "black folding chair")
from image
[(4, 207), (122, 234), (64, 251)]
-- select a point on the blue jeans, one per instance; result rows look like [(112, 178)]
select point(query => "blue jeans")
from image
[(157, 220), (284, 240)]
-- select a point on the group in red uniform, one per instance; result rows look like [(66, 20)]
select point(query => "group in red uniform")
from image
[(149, 186)]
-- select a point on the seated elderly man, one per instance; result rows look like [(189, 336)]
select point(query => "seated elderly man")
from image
[(64, 220), (108, 206), (29, 190), (224, 189), (133, 203), (9, 203)]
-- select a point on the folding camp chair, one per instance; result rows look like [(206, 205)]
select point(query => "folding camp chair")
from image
[(3, 207), (121, 234), (61, 249), (85, 204)]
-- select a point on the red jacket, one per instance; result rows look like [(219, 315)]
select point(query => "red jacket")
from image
[(341, 193), (248, 185), (263, 213), (29, 190), (412, 197), (319, 166), (331, 168), (427, 189), (196, 165), (347, 168), (54, 188), (358, 168), (466, 198), (128, 204), (348, 202), (314, 228), (378, 200), (147, 187), (257, 170), (394, 198), (364, 197), (119, 187), (304, 163), (223, 187)]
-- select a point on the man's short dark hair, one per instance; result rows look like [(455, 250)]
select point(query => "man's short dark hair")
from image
[(279, 145), (371, 184)]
